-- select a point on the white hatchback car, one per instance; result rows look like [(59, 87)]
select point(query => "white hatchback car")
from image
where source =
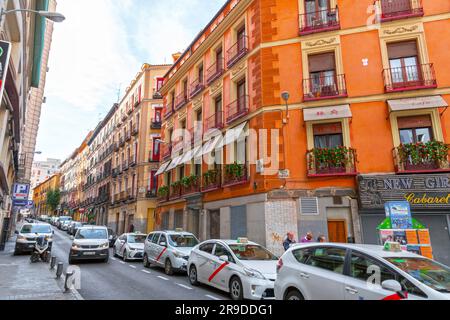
[(358, 272), (244, 269), (130, 246)]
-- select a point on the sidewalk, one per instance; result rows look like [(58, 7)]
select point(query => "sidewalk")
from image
[(21, 280)]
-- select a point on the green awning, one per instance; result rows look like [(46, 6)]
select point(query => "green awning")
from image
[(39, 40)]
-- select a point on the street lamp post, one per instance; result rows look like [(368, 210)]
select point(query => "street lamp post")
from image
[(52, 16)]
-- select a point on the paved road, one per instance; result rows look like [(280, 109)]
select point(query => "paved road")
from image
[(117, 280)]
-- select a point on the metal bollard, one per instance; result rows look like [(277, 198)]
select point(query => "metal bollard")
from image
[(53, 263), (59, 270), (69, 276)]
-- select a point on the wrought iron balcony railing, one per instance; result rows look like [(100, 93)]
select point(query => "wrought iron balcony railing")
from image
[(237, 109), (409, 78), (324, 87), (214, 122), (215, 71), (197, 86), (181, 100), (212, 180), (235, 174), (319, 21), (339, 161), (400, 9), (237, 51), (422, 158)]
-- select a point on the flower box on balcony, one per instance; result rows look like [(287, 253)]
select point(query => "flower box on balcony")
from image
[(163, 193), (422, 157), (339, 161), (175, 190), (211, 180), (190, 185), (235, 174)]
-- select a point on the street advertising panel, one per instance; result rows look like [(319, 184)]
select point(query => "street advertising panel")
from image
[(400, 214), (5, 52)]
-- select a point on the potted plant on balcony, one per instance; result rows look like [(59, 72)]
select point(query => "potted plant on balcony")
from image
[(163, 191), (211, 177), (234, 172), (331, 160), (423, 156), (189, 182)]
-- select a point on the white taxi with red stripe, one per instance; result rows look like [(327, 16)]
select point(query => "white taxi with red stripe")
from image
[(242, 268), (169, 249)]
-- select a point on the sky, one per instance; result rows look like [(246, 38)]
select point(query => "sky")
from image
[(98, 50)]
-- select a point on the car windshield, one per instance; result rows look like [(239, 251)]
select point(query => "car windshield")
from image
[(182, 241), (36, 229), (430, 273), (136, 238), (92, 234), (251, 252)]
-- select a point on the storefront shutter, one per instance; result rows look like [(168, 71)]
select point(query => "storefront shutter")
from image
[(403, 49), (321, 62)]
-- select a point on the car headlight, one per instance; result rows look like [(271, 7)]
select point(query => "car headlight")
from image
[(75, 246), (254, 273), (178, 254), (105, 246), (21, 238)]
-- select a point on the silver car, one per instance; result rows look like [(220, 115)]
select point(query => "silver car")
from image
[(90, 243), (130, 246), (169, 249), (26, 237)]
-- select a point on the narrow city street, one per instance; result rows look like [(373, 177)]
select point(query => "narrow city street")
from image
[(118, 280)]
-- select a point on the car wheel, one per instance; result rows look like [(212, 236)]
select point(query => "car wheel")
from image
[(236, 290), (146, 262), (294, 295), (106, 259), (193, 276), (168, 269), (125, 256)]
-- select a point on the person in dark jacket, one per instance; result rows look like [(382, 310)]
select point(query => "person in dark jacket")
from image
[(290, 240)]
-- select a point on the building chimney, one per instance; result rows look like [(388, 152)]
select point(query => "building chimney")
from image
[(176, 56)]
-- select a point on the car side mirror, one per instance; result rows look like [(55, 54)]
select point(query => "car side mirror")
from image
[(391, 285), (16, 232), (163, 244), (224, 258), (110, 237)]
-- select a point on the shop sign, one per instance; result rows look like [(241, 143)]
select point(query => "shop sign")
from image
[(421, 191)]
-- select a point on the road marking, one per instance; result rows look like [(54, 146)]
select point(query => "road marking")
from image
[(114, 259), (122, 262), (147, 272), (163, 278), (212, 297), (132, 266), (184, 286)]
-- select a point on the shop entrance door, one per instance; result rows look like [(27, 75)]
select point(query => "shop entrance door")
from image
[(337, 231), (214, 224)]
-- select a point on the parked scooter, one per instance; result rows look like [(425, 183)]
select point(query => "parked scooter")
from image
[(42, 250)]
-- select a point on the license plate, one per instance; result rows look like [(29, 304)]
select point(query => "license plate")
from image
[(31, 246), (89, 253)]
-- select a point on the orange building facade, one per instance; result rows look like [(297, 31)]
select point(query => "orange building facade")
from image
[(329, 102)]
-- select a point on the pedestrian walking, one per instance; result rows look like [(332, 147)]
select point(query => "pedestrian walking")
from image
[(321, 239), (308, 238), (289, 240)]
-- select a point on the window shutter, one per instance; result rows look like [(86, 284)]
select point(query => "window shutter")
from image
[(402, 49), (423, 121), (321, 62), (309, 206)]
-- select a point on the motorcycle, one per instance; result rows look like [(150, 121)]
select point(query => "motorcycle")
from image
[(42, 250)]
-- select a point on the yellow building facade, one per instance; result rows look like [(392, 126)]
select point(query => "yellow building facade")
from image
[(40, 195)]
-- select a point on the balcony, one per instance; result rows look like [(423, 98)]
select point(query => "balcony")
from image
[(121, 142), (400, 9), (129, 110), (157, 95), (124, 116), (319, 21), (324, 162), (156, 124), (215, 71), (427, 157), (409, 78), (212, 180), (135, 130), (181, 100), (237, 51), (163, 194), (324, 87), (196, 136), (214, 122), (150, 194), (196, 87), (235, 174), (125, 167), (166, 150), (237, 109), (175, 191), (154, 157), (190, 185), (132, 162), (168, 110), (128, 136)]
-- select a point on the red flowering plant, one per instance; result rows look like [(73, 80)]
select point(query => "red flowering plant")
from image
[(337, 158), (435, 152)]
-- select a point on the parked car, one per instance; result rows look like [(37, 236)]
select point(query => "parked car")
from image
[(169, 249), (74, 226), (112, 237), (90, 243), (242, 268), (349, 272), (130, 246), (65, 225), (53, 220), (26, 237), (61, 220)]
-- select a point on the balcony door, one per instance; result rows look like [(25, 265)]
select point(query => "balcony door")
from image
[(185, 90), (241, 95), (404, 64), (219, 60), (317, 12), (322, 72), (158, 112), (328, 136), (416, 129), (218, 108), (200, 74), (156, 149), (241, 39)]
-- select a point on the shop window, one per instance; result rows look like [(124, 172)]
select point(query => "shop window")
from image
[(415, 129), (328, 135)]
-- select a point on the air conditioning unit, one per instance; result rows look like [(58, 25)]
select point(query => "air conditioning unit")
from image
[(309, 206)]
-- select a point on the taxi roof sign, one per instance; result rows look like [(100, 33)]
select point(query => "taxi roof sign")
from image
[(179, 230), (242, 240)]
